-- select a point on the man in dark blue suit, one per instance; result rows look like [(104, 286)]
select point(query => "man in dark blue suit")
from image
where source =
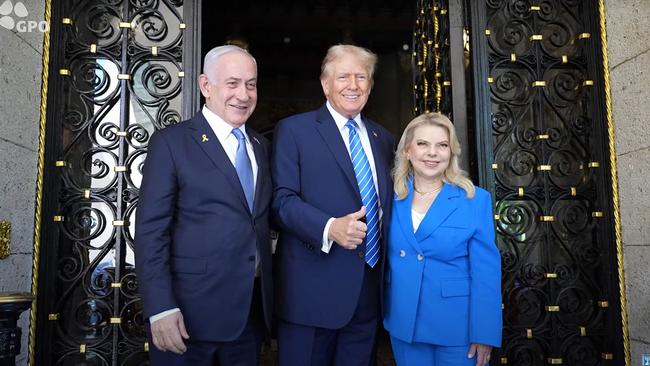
[(332, 188), (203, 254)]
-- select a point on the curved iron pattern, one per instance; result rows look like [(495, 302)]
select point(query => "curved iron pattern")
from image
[(551, 184), (431, 61), (121, 76)]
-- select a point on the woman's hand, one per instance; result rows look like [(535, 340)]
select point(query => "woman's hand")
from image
[(482, 353)]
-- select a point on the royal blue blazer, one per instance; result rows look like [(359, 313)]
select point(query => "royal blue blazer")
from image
[(443, 282), (313, 180), (196, 239)]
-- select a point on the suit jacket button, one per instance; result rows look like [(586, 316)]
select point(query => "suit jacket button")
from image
[(420, 257), (361, 255), (402, 253)]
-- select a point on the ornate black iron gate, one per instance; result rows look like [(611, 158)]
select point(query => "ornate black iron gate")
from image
[(544, 146), (118, 72)]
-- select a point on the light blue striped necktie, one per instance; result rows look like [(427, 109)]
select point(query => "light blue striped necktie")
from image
[(368, 193), (244, 167)]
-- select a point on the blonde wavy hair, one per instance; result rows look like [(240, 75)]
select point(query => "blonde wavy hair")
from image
[(403, 170)]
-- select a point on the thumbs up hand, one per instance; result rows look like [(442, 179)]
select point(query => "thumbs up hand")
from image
[(348, 231)]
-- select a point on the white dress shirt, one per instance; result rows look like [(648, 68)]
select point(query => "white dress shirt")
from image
[(365, 143), (229, 142)]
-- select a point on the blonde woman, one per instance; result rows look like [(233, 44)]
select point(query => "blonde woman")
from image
[(443, 280)]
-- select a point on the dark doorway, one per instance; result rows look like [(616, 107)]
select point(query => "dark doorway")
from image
[(289, 40)]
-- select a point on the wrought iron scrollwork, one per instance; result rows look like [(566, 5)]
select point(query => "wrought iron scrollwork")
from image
[(124, 70), (549, 188)]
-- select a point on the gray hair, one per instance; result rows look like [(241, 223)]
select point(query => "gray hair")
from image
[(213, 55)]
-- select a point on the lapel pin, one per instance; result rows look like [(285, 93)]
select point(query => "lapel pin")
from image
[(204, 138), (256, 140), (374, 134)]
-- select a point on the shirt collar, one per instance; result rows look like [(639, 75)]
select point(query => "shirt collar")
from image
[(340, 120), (219, 126)]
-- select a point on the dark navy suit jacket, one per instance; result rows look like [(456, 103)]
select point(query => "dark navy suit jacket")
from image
[(196, 238), (314, 181)]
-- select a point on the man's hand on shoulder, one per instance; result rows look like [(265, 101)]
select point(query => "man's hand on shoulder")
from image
[(168, 333), (348, 231)]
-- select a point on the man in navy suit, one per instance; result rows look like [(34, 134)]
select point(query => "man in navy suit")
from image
[(203, 254), (332, 188)]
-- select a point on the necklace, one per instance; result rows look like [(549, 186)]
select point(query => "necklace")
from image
[(427, 193)]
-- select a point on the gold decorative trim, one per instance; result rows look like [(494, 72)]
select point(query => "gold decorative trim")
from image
[(126, 25), (550, 275), (535, 8), (15, 297), (120, 169), (495, 166), (120, 223), (594, 164), (116, 284), (123, 77), (66, 21), (552, 308), (539, 83), (554, 361), (497, 217), (40, 168), (588, 83), (60, 163), (520, 191), (529, 333), (583, 331), (58, 218), (536, 37), (513, 57), (181, 74), (82, 348), (603, 304), (607, 356), (490, 80), (565, 59), (86, 194), (53, 316), (182, 26), (446, 83), (154, 50), (597, 214), (547, 218), (584, 35), (64, 72), (488, 32), (614, 179), (93, 48), (146, 346), (503, 360), (121, 133), (544, 168), (573, 191), (116, 320), (543, 137), (443, 11), (5, 240)]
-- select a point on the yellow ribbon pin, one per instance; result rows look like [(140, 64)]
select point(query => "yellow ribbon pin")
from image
[(204, 138)]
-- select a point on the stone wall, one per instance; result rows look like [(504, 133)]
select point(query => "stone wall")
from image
[(20, 82), (628, 32)]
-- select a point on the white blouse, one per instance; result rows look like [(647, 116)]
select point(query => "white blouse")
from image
[(416, 217)]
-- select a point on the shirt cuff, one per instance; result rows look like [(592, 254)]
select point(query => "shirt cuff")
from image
[(327, 244), (159, 316)]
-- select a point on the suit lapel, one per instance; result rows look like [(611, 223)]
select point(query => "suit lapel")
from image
[(208, 142), (444, 205), (261, 164), (332, 136), (405, 219), (381, 166)]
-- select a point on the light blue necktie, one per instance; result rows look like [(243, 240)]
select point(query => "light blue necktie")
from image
[(244, 167), (368, 193)]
